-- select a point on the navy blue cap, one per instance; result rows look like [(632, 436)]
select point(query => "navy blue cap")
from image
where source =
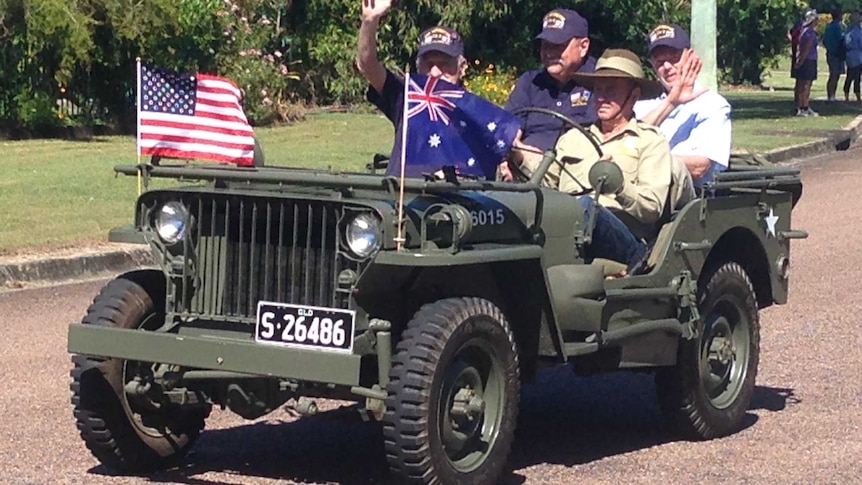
[(441, 39), (560, 25), (670, 35)]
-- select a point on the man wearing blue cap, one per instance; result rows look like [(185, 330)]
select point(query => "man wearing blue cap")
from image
[(441, 54), (695, 120), (564, 51)]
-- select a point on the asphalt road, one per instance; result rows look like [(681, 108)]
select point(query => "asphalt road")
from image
[(804, 425)]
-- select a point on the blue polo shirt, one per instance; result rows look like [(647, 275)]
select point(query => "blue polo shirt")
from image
[(538, 89)]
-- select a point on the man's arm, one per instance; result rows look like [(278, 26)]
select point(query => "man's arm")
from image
[(366, 59), (697, 165)]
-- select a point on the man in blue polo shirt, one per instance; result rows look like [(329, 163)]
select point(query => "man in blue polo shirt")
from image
[(694, 119), (564, 51)]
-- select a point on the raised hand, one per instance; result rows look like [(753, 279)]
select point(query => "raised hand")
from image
[(683, 89), (374, 9)]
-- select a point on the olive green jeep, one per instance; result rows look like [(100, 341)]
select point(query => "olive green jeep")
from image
[(426, 301)]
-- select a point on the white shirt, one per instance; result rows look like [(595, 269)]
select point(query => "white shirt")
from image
[(700, 127)]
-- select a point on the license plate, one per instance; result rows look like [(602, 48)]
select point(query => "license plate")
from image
[(304, 326)]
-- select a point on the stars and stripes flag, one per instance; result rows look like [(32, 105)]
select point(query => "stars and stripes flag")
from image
[(192, 116), (448, 126)]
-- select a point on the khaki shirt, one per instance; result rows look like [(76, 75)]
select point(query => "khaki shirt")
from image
[(643, 155)]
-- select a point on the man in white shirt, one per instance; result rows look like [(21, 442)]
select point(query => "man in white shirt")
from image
[(695, 120)]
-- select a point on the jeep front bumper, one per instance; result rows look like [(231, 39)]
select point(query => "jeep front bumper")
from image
[(216, 353)]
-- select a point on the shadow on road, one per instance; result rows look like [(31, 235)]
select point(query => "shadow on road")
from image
[(564, 420)]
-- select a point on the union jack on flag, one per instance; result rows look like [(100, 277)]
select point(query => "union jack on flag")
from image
[(436, 103), (448, 126)]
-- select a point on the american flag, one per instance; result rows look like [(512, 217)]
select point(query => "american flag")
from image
[(449, 126), (192, 116)]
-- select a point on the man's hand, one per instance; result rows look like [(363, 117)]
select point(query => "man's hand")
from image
[(683, 89), (504, 172), (374, 9)]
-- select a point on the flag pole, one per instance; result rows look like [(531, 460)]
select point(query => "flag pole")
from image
[(399, 240), (138, 121)]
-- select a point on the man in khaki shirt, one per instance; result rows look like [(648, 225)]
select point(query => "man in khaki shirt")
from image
[(625, 219)]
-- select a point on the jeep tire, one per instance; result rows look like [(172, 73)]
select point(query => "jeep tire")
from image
[(707, 394), (453, 395), (121, 433)]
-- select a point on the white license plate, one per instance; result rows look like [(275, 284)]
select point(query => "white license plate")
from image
[(304, 326)]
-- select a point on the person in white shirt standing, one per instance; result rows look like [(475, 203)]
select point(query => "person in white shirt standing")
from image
[(695, 119)]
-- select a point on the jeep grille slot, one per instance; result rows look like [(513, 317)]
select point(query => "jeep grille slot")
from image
[(247, 250)]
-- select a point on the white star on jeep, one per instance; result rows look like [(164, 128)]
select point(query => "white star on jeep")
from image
[(771, 219), (434, 140), (492, 126)]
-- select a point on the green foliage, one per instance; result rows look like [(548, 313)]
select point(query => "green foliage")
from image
[(284, 53), (37, 111), (494, 83), (758, 34)]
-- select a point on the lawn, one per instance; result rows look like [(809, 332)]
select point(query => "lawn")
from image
[(55, 192)]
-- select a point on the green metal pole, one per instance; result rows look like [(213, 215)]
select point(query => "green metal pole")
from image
[(703, 34)]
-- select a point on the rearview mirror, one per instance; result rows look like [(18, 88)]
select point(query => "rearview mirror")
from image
[(606, 177)]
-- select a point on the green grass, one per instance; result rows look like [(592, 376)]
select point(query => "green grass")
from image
[(764, 119), (55, 193)]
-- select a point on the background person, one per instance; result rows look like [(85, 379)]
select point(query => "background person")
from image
[(853, 46), (833, 40), (694, 119), (564, 51), (805, 63)]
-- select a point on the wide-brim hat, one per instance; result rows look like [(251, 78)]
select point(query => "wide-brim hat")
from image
[(809, 15), (620, 64)]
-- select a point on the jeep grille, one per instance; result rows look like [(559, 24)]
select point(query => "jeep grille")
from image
[(244, 250)]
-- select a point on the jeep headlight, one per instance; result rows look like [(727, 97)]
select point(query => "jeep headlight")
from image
[(172, 222), (362, 235)]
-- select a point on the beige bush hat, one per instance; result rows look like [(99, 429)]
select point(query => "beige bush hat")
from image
[(620, 63)]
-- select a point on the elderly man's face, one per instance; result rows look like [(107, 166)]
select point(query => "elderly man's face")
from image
[(438, 64), (563, 60), (665, 61), (614, 97)]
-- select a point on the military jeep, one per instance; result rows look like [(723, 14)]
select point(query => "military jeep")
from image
[(426, 301)]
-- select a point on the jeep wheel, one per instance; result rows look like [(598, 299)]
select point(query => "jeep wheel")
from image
[(453, 395), (129, 434), (708, 392)]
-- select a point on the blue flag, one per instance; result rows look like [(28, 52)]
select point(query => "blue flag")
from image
[(448, 126)]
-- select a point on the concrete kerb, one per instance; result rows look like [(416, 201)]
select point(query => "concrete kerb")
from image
[(837, 140), (111, 262), (103, 263)]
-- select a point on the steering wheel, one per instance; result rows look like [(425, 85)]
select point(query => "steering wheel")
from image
[(567, 122)]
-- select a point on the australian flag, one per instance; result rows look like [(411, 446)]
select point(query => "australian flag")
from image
[(448, 126)]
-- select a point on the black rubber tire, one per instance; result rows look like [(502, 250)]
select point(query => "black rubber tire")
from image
[(695, 407), (101, 407), (433, 347)]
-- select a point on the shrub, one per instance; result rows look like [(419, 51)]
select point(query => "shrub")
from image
[(37, 111), (493, 83)]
